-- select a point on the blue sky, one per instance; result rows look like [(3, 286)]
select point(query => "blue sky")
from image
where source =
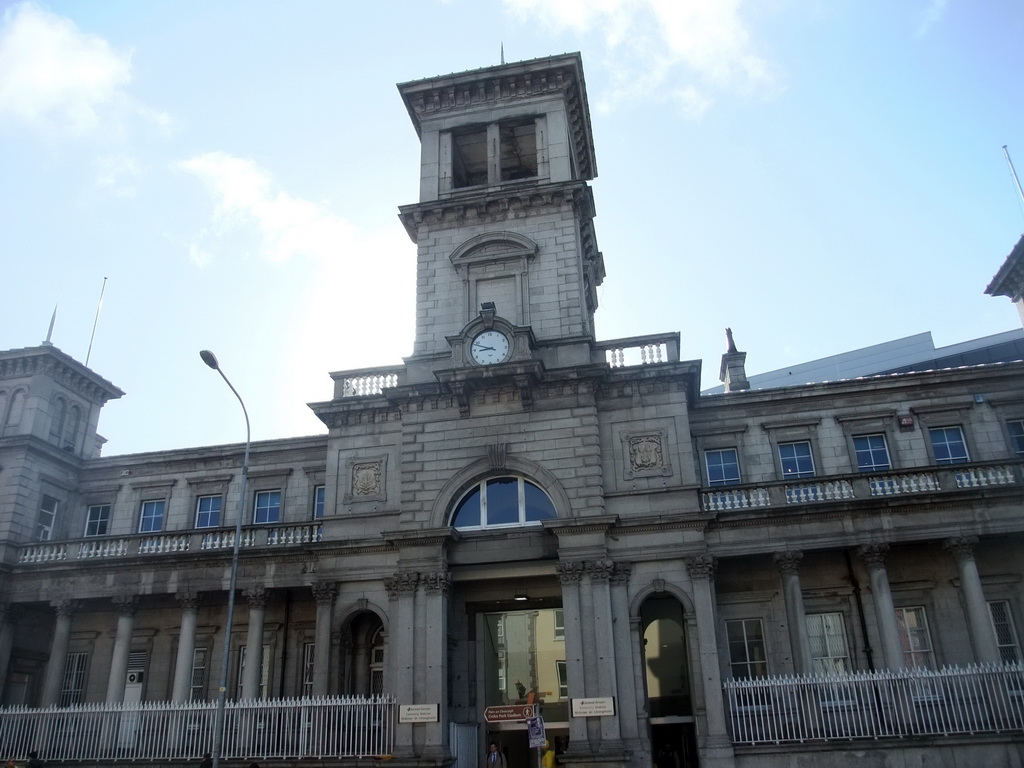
[(820, 175)]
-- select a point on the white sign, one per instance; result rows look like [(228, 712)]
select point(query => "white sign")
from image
[(417, 713), (596, 707)]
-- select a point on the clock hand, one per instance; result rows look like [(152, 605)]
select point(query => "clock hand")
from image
[(478, 346)]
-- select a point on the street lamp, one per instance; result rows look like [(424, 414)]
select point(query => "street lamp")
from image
[(218, 726)]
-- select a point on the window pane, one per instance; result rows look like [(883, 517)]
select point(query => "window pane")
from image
[(1016, 430), (503, 501), (538, 505), (97, 520), (467, 513), (1006, 633), (872, 453), (268, 507), (208, 511), (796, 460), (46, 519), (948, 445), (827, 635), (723, 466), (319, 494), (152, 518), (917, 644), (746, 648)]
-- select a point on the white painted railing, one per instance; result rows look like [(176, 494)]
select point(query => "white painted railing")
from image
[(367, 381), (871, 705), (858, 486), (329, 727), (640, 350)]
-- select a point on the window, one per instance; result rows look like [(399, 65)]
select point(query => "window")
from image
[(723, 466), (264, 672), (562, 676), (97, 520), (73, 689), (208, 511), (1016, 430), (917, 642), (267, 508), (507, 149), (502, 502), (308, 652), (746, 648), (46, 519), (1006, 633), (151, 518), (559, 624), (827, 635), (872, 453), (200, 660), (319, 494), (948, 445), (796, 460)]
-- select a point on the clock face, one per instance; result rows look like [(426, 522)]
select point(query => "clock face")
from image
[(489, 347)]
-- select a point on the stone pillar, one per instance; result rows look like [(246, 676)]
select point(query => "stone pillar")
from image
[(627, 652), (873, 556), (323, 594), (600, 572), (717, 746), (436, 586), (402, 594), (788, 564), (257, 597), (181, 689), (8, 618), (54, 680), (979, 619), (570, 574), (126, 605)]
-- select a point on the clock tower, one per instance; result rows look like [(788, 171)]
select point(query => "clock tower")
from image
[(507, 261)]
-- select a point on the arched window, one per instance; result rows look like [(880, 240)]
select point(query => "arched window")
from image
[(502, 502), (57, 423)]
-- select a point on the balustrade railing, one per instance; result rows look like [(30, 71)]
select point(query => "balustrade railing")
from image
[(169, 543), (639, 350), (328, 727), (367, 381), (859, 486), (981, 699)]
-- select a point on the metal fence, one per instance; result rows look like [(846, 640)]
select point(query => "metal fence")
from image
[(982, 699), (346, 726)]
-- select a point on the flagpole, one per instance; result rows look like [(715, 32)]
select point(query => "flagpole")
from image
[(99, 306)]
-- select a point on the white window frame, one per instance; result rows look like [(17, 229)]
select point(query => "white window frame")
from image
[(1007, 639), (209, 497), (144, 509), (918, 651), (257, 506), (47, 518), (319, 501), (264, 672), (872, 465), (799, 474), (200, 665), (562, 676), (308, 668), (1015, 430), (826, 635), (725, 480), (480, 488), (750, 663), (951, 459), (97, 515)]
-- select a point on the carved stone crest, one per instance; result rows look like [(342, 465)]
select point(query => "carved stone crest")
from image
[(646, 455), (367, 479)]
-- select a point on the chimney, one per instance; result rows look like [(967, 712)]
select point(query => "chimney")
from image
[(733, 371)]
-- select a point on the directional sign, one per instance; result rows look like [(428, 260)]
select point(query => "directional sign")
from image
[(508, 714)]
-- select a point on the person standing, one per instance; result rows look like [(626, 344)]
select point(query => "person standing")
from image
[(495, 759)]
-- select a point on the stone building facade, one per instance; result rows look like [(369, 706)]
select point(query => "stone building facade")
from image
[(521, 513)]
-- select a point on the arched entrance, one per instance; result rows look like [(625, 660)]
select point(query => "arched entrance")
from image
[(667, 677)]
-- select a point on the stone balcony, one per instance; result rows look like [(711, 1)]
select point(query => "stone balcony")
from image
[(861, 486)]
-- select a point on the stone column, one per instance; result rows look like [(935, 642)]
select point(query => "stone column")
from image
[(324, 594), (600, 572), (979, 619), (873, 556), (8, 618), (718, 745), (436, 586), (570, 574), (54, 680), (788, 564), (257, 597), (181, 689), (402, 594), (126, 605), (627, 651)]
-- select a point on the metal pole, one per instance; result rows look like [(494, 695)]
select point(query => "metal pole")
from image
[(218, 724)]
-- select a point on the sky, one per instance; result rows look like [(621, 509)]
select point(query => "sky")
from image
[(818, 175)]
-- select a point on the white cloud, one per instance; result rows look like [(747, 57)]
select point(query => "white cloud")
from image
[(53, 76), (245, 199), (931, 16), (679, 50), (117, 173)]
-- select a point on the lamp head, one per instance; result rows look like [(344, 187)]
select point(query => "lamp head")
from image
[(210, 359)]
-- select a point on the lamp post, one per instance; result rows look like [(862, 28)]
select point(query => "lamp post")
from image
[(218, 724)]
